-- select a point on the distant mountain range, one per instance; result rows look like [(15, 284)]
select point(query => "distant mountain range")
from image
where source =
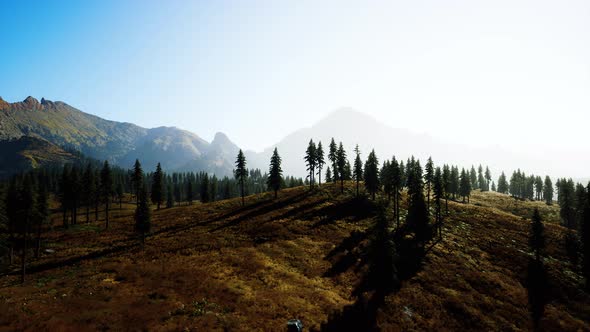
[(57, 126), (60, 125)]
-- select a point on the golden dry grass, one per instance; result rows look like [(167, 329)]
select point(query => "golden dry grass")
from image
[(221, 266)]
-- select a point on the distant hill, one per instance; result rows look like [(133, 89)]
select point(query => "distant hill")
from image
[(120, 143), (29, 152)]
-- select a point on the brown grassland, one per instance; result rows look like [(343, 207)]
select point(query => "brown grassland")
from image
[(220, 266)]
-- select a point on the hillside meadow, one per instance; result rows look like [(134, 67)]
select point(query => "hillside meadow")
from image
[(221, 266)]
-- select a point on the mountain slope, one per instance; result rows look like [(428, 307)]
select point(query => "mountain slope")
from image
[(121, 143), (221, 266), (30, 152)]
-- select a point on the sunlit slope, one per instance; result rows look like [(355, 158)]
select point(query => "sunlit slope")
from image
[(304, 255)]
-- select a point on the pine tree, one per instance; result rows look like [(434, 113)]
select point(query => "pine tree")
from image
[(371, 174), (241, 173), (137, 179), (157, 194), (548, 191), (396, 182), (41, 215), (502, 184), (142, 215), (169, 197), (428, 178), (417, 218), (120, 193), (439, 193), (319, 161), (455, 181), (88, 189), (446, 177), (205, 186), (473, 178), (488, 178), (333, 157), (465, 185), (189, 192), (106, 188), (341, 165), (481, 181), (310, 161), (357, 172), (213, 188), (585, 236), (275, 172), (328, 174)]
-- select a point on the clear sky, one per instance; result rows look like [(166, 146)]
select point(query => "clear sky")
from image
[(509, 73)]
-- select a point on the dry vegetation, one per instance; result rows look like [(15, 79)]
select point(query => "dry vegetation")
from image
[(221, 266)]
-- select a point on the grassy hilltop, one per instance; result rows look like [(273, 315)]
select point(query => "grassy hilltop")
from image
[(222, 266)]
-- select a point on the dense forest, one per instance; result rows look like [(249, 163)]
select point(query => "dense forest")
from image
[(79, 191)]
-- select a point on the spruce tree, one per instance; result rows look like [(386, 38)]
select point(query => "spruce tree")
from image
[(137, 179), (548, 191), (169, 197), (189, 192), (502, 184), (417, 218), (88, 189), (371, 174), (333, 157), (428, 179), (341, 165), (142, 216), (106, 189), (310, 161), (488, 178), (357, 172), (396, 182), (472, 178), (275, 172), (439, 194), (481, 181), (157, 193), (446, 177), (205, 186), (213, 188), (241, 173), (319, 161), (328, 174), (465, 185), (585, 237), (41, 215)]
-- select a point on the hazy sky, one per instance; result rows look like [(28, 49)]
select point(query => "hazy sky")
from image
[(481, 72)]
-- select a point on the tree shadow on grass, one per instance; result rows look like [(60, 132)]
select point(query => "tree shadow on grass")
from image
[(385, 259)]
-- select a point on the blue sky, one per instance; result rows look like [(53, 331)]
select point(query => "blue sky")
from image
[(475, 71)]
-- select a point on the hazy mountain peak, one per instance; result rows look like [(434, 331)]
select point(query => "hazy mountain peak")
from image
[(347, 115), (221, 138)]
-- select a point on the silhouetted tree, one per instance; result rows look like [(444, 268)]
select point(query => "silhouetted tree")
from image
[(357, 172), (439, 194), (473, 178), (488, 178), (548, 190), (40, 215), (137, 179), (536, 279), (190, 196), (537, 237), (89, 190), (310, 161), (169, 197), (333, 157), (481, 181), (157, 193), (396, 183), (241, 173), (464, 186), (372, 174), (428, 178), (319, 161), (275, 172), (502, 184), (417, 218), (106, 189), (328, 174), (205, 197), (585, 236), (446, 177), (341, 164)]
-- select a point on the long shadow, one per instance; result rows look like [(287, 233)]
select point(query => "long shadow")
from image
[(388, 258), (264, 209), (354, 209)]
